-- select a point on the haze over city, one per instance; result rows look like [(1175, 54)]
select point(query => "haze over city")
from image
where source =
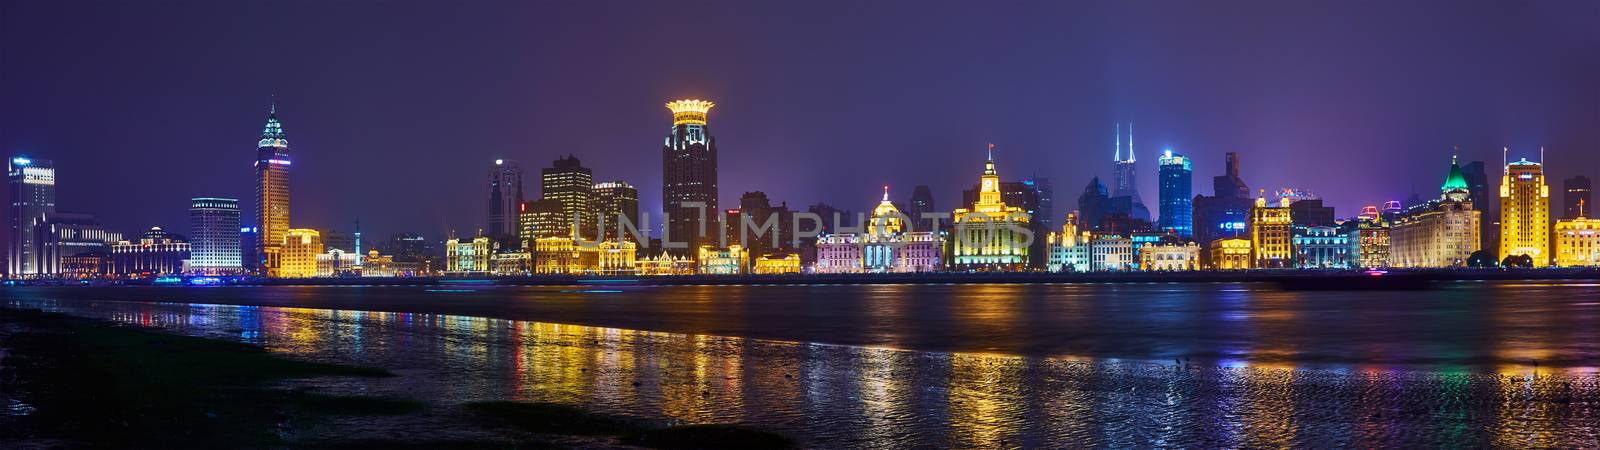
[(395, 112)]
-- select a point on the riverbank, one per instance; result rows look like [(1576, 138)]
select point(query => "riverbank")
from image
[(76, 382), (1291, 276)]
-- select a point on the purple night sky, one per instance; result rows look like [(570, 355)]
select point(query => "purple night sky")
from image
[(395, 110)]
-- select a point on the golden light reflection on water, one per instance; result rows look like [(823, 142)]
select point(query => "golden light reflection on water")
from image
[(874, 397)]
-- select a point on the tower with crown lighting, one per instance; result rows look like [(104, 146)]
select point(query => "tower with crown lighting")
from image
[(689, 177), (1440, 233), (272, 192)]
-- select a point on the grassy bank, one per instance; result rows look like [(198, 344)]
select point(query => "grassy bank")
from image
[(76, 382)]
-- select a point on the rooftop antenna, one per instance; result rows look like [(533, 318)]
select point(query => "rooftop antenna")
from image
[(1505, 158), (1118, 140), (1541, 156), (274, 108), (1130, 141)]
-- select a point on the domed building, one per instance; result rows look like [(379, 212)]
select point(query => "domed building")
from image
[(1440, 233), (884, 247)]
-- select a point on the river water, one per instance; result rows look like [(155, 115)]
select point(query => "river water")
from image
[(969, 366)]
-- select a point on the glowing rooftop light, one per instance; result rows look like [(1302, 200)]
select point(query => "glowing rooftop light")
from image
[(499, 162), (689, 111), (21, 161)]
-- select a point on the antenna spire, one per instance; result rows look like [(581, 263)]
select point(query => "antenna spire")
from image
[(273, 109), (1118, 141), (991, 151), (1130, 142), (886, 192)]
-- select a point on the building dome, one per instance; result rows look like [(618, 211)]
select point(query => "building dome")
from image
[(1455, 184), (886, 218)]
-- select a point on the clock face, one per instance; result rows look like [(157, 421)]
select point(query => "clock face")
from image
[(988, 184)]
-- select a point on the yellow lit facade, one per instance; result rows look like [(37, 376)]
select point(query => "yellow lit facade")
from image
[(338, 263), (991, 234), (729, 261), (616, 257), (1170, 257), (664, 264), (774, 264), (556, 256), (1271, 231), (511, 264), (1577, 241), (1440, 233), (1525, 212), (377, 265), (468, 257), (1231, 254), (297, 256), (1372, 243)]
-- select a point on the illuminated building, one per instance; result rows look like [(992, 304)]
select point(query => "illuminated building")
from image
[(1126, 181), (1575, 193), (1270, 230), (375, 265), (1577, 240), (571, 184), (615, 202), (840, 253), (250, 249), (1372, 243), (728, 261), (1030, 196), (1110, 252), (1140, 239), (1525, 211), (689, 176), (991, 235), (541, 219), (775, 265), (1226, 212), (468, 257), (156, 253), (1069, 250), (272, 197), (505, 202), (1170, 257), (72, 245), (556, 256), (338, 263), (33, 195), (1391, 211), (1231, 254), (1177, 195), (298, 252), (1322, 247), (1440, 233), (214, 235), (618, 258), (664, 264), (511, 264)]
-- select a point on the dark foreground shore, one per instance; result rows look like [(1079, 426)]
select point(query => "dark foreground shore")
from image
[(76, 382)]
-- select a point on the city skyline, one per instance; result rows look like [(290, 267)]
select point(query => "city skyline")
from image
[(371, 146)]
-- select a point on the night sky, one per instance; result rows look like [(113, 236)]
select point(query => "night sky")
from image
[(395, 110)]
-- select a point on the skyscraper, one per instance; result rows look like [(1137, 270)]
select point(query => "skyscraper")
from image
[(33, 194), (214, 235), (568, 182), (1225, 213), (272, 191), (614, 199), (1575, 191), (1126, 179), (1177, 195), (921, 202), (1525, 211), (689, 177), (1479, 190), (505, 201)]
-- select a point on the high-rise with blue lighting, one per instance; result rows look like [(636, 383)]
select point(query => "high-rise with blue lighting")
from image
[(1177, 195), (214, 235)]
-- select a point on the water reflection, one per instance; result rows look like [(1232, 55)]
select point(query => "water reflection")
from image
[(838, 396)]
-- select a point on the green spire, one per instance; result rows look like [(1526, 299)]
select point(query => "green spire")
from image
[(1455, 181), (272, 134)]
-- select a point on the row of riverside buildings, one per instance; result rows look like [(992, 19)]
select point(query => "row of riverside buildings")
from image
[(577, 226)]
